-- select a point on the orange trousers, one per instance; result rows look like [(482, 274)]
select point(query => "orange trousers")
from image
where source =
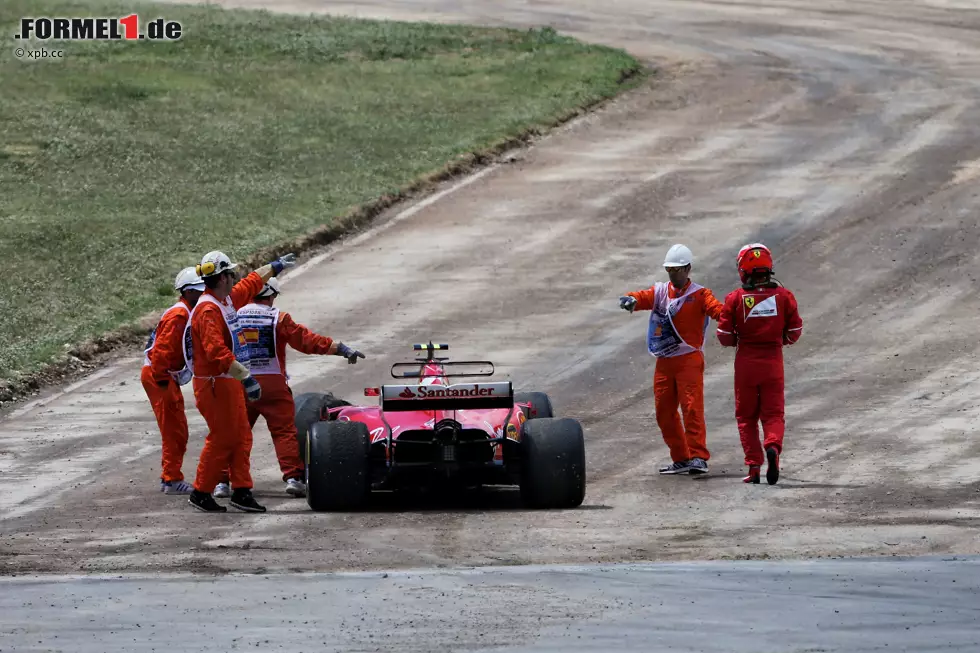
[(679, 382), (279, 411), (168, 407), (229, 441)]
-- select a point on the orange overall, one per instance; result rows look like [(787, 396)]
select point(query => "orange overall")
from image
[(679, 375), (276, 404), (220, 398), (164, 357)]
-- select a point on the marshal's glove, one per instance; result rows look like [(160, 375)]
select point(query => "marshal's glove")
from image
[(627, 303), (283, 262), (350, 354), (252, 388)]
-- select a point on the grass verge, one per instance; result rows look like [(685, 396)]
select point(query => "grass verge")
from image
[(122, 162)]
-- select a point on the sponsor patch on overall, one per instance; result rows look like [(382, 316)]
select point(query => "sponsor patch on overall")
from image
[(765, 308)]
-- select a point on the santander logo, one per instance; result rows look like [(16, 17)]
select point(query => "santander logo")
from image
[(440, 393), (428, 392)]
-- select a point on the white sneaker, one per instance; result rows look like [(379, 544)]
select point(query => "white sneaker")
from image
[(221, 491), (698, 466), (682, 467), (296, 487), (176, 487)]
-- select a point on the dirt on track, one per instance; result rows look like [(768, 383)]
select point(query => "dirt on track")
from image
[(846, 137)]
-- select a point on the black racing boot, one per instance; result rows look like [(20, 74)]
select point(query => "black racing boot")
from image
[(243, 500), (205, 502), (772, 471)]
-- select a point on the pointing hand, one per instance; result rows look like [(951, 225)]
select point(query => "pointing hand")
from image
[(350, 354)]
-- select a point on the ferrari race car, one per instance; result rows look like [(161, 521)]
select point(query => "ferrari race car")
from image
[(464, 434)]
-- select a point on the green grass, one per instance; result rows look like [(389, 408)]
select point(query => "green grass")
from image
[(123, 162)]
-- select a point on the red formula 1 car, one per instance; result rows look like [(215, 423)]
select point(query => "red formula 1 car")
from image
[(466, 434)]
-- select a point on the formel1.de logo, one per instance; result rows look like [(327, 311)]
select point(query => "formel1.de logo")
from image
[(125, 28)]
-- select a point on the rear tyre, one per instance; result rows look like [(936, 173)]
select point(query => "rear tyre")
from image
[(552, 463), (540, 404), (309, 406), (337, 468)]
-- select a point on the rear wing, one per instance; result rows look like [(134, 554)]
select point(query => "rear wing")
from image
[(449, 369), (462, 396)]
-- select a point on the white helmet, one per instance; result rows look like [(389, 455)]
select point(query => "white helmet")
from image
[(678, 256), (188, 279), (215, 263), (270, 289)]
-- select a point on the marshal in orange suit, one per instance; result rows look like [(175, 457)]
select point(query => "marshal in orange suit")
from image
[(679, 315), (164, 371), (216, 351), (267, 331)]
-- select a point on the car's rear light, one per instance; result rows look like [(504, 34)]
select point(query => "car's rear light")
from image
[(372, 392), (449, 453)]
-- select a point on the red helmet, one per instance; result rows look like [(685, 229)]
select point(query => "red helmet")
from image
[(753, 257)]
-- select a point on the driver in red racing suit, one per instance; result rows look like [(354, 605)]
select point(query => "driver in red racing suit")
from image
[(759, 319)]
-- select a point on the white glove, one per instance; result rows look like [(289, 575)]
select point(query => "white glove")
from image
[(276, 267), (282, 263), (238, 371)]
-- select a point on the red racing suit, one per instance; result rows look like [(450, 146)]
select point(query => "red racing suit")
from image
[(759, 322)]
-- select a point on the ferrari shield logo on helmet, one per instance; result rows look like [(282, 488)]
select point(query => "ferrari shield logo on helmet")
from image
[(757, 253), (749, 302)]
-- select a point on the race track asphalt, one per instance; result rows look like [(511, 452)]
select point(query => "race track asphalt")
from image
[(822, 606)]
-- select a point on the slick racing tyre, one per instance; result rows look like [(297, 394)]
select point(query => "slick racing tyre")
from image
[(552, 463), (337, 473), (309, 406), (540, 404)]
